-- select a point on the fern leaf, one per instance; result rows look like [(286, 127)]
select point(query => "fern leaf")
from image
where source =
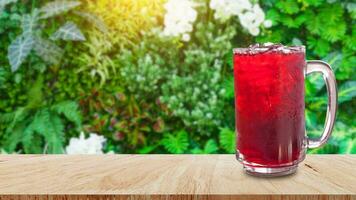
[(19, 50), (35, 146), (19, 116), (14, 137), (57, 7), (55, 136), (177, 143), (48, 51), (210, 147), (227, 140), (40, 121), (27, 138), (50, 126), (95, 20), (69, 31), (70, 110)]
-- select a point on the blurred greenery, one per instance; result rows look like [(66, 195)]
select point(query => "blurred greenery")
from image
[(152, 94)]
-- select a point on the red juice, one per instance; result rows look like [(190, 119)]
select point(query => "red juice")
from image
[(269, 100)]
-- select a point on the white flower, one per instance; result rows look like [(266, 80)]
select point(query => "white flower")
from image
[(81, 145), (224, 9), (251, 16), (259, 14), (179, 18), (254, 31), (186, 37), (267, 23)]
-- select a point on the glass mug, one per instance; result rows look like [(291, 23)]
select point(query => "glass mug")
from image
[(269, 105)]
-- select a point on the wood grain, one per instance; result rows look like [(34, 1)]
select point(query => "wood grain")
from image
[(170, 177)]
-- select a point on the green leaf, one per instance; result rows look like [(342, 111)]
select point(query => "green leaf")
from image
[(27, 138), (293, 22), (57, 7), (314, 23), (210, 147), (346, 70), (350, 41), (349, 147), (274, 15), (69, 31), (229, 88), (176, 143), (334, 59), (147, 149), (18, 117), (70, 110), (34, 146), (95, 20), (51, 128), (310, 119), (288, 21), (227, 140), (47, 50), (334, 32), (19, 50), (321, 47), (14, 137), (331, 13), (347, 91), (197, 150), (55, 136), (288, 6), (29, 23)]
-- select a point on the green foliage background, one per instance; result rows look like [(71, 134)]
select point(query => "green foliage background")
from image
[(151, 94)]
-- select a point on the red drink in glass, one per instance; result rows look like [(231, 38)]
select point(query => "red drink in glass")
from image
[(269, 103), (269, 89)]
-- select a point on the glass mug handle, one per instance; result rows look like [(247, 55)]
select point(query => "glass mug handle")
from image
[(329, 78)]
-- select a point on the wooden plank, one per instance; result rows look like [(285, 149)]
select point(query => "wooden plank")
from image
[(169, 176)]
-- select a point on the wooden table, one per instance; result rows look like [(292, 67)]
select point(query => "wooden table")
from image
[(169, 176)]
